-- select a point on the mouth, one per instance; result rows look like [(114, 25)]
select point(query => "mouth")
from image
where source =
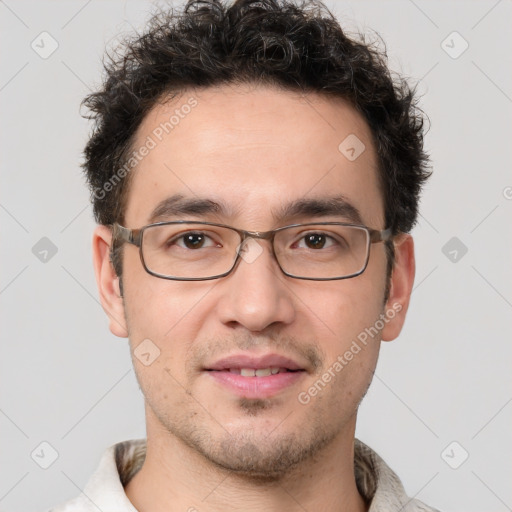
[(256, 377), (258, 372)]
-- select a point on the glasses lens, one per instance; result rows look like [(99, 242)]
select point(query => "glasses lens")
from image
[(189, 251), (322, 251), (202, 251)]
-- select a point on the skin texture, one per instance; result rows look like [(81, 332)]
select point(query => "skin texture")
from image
[(252, 149)]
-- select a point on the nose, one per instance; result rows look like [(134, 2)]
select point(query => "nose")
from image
[(256, 295)]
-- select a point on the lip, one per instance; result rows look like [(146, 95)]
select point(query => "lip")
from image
[(249, 361), (255, 387)]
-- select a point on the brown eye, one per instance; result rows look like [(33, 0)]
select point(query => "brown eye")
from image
[(193, 241), (315, 241)]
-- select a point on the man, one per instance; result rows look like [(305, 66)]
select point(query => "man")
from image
[(254, 175)]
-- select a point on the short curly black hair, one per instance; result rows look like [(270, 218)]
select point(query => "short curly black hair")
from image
[(296, 47)]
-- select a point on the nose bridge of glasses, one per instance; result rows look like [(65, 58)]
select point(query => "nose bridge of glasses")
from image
[(249, 249), (262, 235), (246, 236)]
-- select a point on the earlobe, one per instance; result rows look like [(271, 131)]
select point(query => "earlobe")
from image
[(402, 280), (108, 282)]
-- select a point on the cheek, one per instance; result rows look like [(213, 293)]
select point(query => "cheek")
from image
[(351, 352), (341, 317), (165, 390), (158, 308), (343, 308), (164, 318), (162, 327)]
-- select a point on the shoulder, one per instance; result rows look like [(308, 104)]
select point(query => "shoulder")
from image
[(105, 488), (380, 485)]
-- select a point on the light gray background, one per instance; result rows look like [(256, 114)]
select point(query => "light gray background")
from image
[(67, 381)]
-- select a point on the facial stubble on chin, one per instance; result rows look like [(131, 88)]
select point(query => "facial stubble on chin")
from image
[(271, 459)]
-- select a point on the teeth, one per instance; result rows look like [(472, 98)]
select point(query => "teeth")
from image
[(251, 372)]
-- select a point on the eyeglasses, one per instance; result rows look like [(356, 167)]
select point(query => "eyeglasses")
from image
[(196, 251)]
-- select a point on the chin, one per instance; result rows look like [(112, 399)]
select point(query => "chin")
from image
[(264, 456)]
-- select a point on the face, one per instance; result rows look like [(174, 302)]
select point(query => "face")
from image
[(255, 153)]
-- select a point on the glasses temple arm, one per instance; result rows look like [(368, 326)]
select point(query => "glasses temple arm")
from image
[(381, 236), (124, 234)]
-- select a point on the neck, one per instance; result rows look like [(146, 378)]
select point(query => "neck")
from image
[(174, 477)]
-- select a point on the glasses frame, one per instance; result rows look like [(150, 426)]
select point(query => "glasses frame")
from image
[(135, 236)]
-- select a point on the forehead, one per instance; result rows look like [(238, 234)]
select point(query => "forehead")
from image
[(253, 149)]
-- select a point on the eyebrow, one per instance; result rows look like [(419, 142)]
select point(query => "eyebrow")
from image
[(179, 206), (322, 207)]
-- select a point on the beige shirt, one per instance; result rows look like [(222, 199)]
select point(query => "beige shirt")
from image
[(376, 482)]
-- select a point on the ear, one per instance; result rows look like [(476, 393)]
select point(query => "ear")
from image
[(108, 282), (402, 280)]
